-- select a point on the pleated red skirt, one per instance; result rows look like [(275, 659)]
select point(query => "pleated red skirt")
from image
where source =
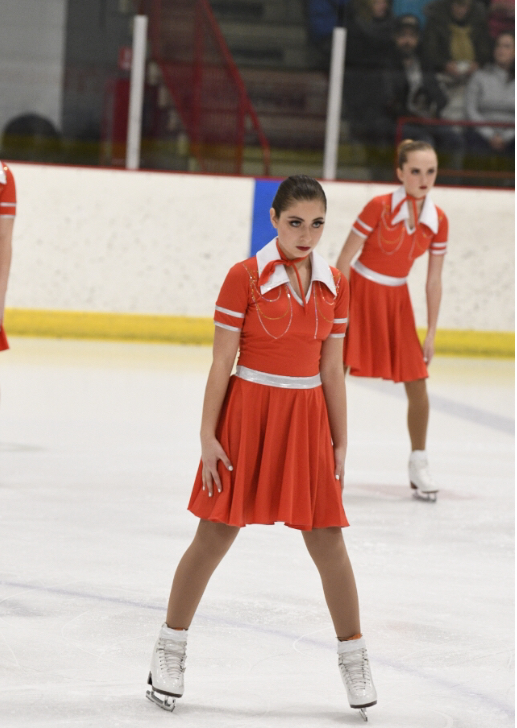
[(381, 339), (279, 444), (4, 344)]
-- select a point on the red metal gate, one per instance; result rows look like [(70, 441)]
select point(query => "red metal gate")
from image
[(204, 83)]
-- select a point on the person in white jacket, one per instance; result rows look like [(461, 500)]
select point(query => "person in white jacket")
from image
[(490, 96)]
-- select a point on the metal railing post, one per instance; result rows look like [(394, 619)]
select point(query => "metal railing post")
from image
[(337, 69), (136, 93)]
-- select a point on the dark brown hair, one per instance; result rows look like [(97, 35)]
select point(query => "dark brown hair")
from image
[(296, 188), (405, 148)]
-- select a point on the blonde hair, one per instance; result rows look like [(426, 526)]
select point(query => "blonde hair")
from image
[(407, 146)]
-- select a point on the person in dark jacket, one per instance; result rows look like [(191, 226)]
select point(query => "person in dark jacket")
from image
[(411, 89), (369, 25)]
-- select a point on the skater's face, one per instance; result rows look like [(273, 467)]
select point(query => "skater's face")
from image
[(418, 173), (300, 227)]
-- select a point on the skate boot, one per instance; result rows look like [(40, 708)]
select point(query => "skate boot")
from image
[(355, 671), (420, 478), (167, 668)]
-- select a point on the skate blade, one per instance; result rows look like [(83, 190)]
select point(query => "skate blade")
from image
[(362, 713), (165, 702), (419, 495)]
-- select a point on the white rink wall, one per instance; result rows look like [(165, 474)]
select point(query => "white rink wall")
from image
[(150, 242)]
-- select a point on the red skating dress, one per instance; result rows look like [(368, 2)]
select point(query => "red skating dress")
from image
[(382, 340), (274, 423), (7, 210)]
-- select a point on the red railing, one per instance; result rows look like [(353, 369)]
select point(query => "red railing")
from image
[(472, 173), (204, 83)]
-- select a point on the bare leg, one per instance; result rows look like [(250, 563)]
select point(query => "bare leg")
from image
[(328, 551), (417, 413), (200, 560)]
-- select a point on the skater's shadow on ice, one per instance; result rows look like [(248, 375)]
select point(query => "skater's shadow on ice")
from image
[(287, 718)]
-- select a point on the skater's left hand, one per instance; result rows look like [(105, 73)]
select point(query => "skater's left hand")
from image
[(428, 348), (339, 463)]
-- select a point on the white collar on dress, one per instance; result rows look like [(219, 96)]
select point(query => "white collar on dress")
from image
[(320, 269), (428, 215), (3, 178)]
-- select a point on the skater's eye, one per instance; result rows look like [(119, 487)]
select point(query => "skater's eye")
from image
[(318, 223), (295, 223)]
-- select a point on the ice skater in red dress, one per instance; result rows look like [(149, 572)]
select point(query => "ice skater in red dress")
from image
[(273, 435), (7, 214), (390, 233)]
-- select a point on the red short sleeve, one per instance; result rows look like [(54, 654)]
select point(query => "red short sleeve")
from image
[(7, 193), (232, 302), (369, 218), (440, 240), (340, 324)]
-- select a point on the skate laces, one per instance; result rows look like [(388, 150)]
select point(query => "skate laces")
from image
[(355, 668), (172, 657)]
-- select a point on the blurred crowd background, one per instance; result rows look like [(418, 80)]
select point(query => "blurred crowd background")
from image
[(241, 86)]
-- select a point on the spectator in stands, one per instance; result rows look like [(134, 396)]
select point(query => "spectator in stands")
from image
[(490, 96), (369, 26), (456, 43), (411, 89), (322, 18), (501, 17)]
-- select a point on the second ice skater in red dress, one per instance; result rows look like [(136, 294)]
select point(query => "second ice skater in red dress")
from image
[(273, 435), (390, 233)]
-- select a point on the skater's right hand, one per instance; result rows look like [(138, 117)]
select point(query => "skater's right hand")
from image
[(211, 453), (339, 465)]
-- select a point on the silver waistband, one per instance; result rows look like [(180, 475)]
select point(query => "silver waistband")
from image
[(372, 275), (276, 380)]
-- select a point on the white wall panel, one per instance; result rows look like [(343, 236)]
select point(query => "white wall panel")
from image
[(145, 242), (134, 242)]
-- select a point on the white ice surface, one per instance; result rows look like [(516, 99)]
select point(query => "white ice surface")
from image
[(99, 447)]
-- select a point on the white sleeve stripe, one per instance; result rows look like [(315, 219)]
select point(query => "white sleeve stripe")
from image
[(337, 336), (438, 245), (438, 252), (230, 328), (341, 321), (358, 232), (363, 224), (230, 313), (6, 216), (7, 204)]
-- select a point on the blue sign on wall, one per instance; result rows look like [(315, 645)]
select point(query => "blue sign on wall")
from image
[(262, 231)]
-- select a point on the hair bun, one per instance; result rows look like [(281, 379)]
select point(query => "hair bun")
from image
[(410, 145)]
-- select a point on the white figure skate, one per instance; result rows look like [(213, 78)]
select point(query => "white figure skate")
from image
[(167, 668), (355, 672), (420, 478)]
